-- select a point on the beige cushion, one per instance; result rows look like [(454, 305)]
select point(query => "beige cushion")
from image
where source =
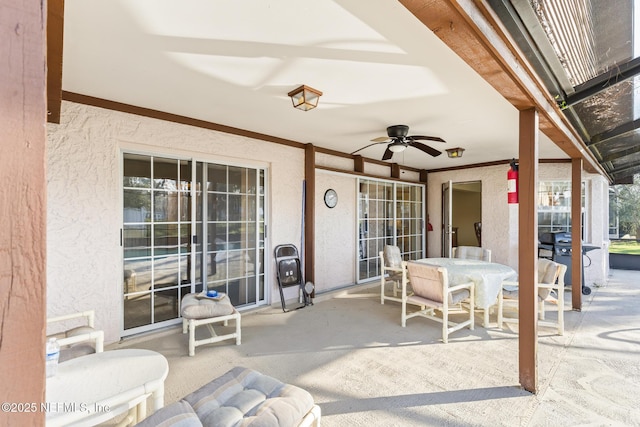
[(205, 308), (178, 414), (246, 397), (392, 256), (472, 252), (547, 273)]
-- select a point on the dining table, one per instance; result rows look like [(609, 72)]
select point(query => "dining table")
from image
[(487, 277)]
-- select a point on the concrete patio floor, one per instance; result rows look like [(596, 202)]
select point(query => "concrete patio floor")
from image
[(364, 369)]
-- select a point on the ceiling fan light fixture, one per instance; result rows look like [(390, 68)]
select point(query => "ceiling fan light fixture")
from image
[(397, 146), (454, 153), (305, 98)]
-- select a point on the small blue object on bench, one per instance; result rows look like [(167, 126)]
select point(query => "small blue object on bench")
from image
[(240, 397)]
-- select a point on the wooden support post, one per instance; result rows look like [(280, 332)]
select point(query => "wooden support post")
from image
[(395, 170), (358, 163), (23, 209), (528, 250), (309, 212), (576, 234)]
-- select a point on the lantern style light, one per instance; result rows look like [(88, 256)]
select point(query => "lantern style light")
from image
[(305, 98), (454, 153)]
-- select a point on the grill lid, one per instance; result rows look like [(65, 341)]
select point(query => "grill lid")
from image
[(555, 238)]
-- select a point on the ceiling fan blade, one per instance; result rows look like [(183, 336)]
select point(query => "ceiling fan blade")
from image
[(431, 151), (381, 139), (366, 146), (388, 154), (426, 138)]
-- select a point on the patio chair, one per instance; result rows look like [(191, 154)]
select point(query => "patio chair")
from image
[(550, 281), (390, 272), (431, 290), (472, 252), (77, 340)]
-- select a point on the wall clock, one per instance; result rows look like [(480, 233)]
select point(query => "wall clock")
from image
[(331, 198)]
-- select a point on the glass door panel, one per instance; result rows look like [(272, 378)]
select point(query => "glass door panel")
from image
[(155, 238), (234, 226), (388, 214), (189, 226)]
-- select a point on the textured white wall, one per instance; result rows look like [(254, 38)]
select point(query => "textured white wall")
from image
[(496, 222), (84, 207), (335, 232), (500, 220)]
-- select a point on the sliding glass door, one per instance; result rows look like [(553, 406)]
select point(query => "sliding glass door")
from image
[(389, 213), (189, 226)]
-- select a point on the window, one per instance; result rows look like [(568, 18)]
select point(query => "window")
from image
[(554, 206), (614, 218)]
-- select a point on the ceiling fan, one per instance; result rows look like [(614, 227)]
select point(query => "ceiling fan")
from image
[(398, 141)]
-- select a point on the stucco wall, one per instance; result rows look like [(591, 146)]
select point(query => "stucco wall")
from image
[(335, 232), (84, 209), (495, 221), (84, 268), (500, 220)]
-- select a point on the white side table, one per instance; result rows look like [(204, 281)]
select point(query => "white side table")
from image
[(92, 389)]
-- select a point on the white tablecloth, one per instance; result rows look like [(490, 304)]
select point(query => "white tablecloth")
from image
[(487, 276)]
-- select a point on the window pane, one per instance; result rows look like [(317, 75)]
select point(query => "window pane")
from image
[(165, 206), (137, 206), (185, 175), (137, 171), (137, 311), (217, 178), (217, 207), (136, 241), (236, 207), (165, 239), (185, 238), (237, 179), (165, 271), (137, 275), (165, 173)]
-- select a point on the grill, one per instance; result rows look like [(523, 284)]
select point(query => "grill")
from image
[(556, 246)]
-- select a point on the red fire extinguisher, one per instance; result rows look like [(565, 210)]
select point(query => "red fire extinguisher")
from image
[(512, 182)]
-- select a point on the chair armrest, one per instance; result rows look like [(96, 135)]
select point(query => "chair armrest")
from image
[(96, 337), (79, 334), (460, 286), (89, 314), (510, 283)]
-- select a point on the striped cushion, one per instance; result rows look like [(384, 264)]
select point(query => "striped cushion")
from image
[(179, 414), (246, 397)]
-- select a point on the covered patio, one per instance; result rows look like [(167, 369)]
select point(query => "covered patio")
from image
[(97, 89), (363, 369)]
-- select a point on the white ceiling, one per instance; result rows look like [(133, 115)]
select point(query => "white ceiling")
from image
[(233, 62)]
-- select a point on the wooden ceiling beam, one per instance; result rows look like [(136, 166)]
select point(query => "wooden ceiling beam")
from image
[(474, 32)]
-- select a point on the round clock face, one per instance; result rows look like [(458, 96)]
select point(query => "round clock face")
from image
[(331, 198)]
